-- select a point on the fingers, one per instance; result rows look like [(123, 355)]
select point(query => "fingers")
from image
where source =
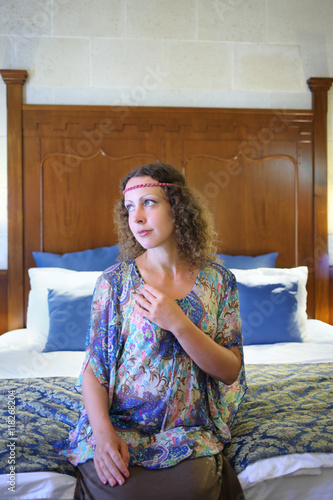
[(125, 455), (109, 473), (144, 302), (150, 293), (141, 301), (157, 307), (147, 294), (112, 465), (151, 290), (107, 477)]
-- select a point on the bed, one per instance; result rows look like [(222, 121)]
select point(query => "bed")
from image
[(263, 174)]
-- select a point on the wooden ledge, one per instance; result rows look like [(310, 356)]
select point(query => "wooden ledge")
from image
[(13, 76), (319, 84)]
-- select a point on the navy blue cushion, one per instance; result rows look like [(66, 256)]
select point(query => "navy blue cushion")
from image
[(97, 259), (248, 262), (69, 314), (268, 313)]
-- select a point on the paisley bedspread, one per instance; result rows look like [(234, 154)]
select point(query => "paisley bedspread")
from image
[(287, 409), (34, 413)]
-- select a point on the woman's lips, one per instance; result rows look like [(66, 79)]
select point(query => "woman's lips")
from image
[(144, 233)]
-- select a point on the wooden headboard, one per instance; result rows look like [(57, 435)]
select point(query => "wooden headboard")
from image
[(263, 173)]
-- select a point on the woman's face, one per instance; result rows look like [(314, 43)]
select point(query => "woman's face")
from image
[(149, 214)]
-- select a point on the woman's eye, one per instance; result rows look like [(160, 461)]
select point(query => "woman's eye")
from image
[(148, 203), (129, 208)]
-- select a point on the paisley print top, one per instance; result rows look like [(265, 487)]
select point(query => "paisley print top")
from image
[(160, 402)]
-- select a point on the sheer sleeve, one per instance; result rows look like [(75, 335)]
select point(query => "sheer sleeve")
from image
[(229, 329), (102, 335), (225, 399), (102, 350)]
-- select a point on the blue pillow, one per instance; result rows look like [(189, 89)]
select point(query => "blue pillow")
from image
[(268, 313), (248, 262), (69, 314), (97, 259)]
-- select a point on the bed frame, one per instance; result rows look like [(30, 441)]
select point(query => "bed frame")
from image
[(263, 173)]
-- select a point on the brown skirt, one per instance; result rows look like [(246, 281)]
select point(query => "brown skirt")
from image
[(206, 478)]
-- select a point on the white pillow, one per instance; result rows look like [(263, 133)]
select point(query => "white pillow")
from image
[(44, 278), (275, 275)]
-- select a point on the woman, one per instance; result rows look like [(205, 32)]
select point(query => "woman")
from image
[(163, 374)]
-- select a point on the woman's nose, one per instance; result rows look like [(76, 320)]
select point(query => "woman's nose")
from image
[(138, 215)]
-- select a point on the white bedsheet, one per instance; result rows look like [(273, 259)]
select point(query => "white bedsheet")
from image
[(39, 486), (21, 357)]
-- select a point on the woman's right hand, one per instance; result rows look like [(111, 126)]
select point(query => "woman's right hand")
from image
[(111, 459)]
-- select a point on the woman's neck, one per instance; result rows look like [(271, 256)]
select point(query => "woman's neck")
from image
[(161, 262), (175, 279)]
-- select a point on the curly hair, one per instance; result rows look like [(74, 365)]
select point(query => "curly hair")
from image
[(193, 223)]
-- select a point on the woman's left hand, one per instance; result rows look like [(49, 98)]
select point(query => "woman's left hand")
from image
[(217, 361), (158, 308)]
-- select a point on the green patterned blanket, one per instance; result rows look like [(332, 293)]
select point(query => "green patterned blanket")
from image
[(287, 409)]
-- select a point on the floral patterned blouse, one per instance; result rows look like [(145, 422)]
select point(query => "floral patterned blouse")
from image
[(160, 402)]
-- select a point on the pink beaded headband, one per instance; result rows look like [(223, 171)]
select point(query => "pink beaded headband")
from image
[(149, 184)]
